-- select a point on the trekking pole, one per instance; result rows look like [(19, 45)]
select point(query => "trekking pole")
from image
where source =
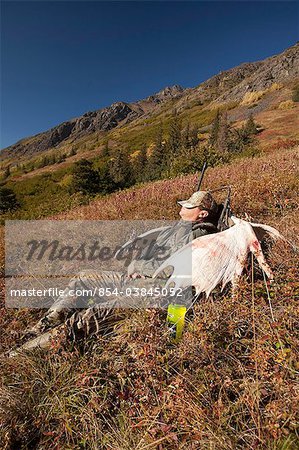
[(205, 165)]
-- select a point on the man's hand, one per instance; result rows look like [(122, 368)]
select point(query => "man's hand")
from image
[(132, 272), (136, 275)]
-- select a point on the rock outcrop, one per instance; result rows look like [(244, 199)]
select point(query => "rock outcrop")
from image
[(276, 69), (102, 120), (167, 93)]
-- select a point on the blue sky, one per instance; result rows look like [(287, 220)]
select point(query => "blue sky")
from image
[(62, 59)]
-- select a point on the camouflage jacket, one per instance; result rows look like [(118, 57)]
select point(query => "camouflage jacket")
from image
[(169, 240)]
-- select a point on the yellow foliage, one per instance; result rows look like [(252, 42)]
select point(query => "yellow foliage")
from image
[(134, 155), (275, 87), (288, 104), (252, 97), (218, 105), (150, 149), (66, 181), (203, 136)]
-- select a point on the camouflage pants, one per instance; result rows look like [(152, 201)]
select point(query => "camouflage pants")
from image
[(105, 290)]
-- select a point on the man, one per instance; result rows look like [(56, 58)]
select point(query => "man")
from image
[(201, 210), (198, 213)]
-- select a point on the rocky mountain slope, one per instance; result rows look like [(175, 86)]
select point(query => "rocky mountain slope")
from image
[(101, 120), (229, 85)]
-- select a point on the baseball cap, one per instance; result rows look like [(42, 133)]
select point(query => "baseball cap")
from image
[(201, 199)]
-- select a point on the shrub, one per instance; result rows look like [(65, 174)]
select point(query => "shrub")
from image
[(6, 172), (192, 161), (275, 87), (288, 104), (252, 97), (8, 200), (251, 152), (295, 96)]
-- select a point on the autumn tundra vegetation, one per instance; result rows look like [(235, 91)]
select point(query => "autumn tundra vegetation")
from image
[(232, 380)]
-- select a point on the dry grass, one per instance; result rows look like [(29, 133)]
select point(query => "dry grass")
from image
[(229, 384)]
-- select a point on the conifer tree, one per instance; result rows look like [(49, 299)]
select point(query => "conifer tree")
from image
[(8, 200), (250, 126), (140, 165), (295, 94), (52, 159), (175, 135), (106, 184), (194, 140), (6, 172), (85, 179), (220, 137), (105, 149), (159, 157), (215, 130), (222, 143), (186, 143), (43, 162), (120, 170)]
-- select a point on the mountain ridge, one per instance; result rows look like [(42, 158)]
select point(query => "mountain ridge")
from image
[(228, 85)]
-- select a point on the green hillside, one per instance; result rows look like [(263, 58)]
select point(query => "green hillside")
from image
[(43, 186)]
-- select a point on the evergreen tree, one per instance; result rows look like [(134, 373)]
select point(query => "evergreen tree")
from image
[(105, 150), (222, 143), (158, 138), (159, 157), (244, 138), (85, 179), (43, 162), (6, 172), (295, 94), (140, 165), (60, 158), (175, 135), (250, 127), (194, 140), (220, 136), (106, 184), (52, 159), (215, 130), (186, 142), (8, 200), (120, 170), (155, 163)]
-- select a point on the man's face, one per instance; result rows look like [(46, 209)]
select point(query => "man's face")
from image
[(193, 214)]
